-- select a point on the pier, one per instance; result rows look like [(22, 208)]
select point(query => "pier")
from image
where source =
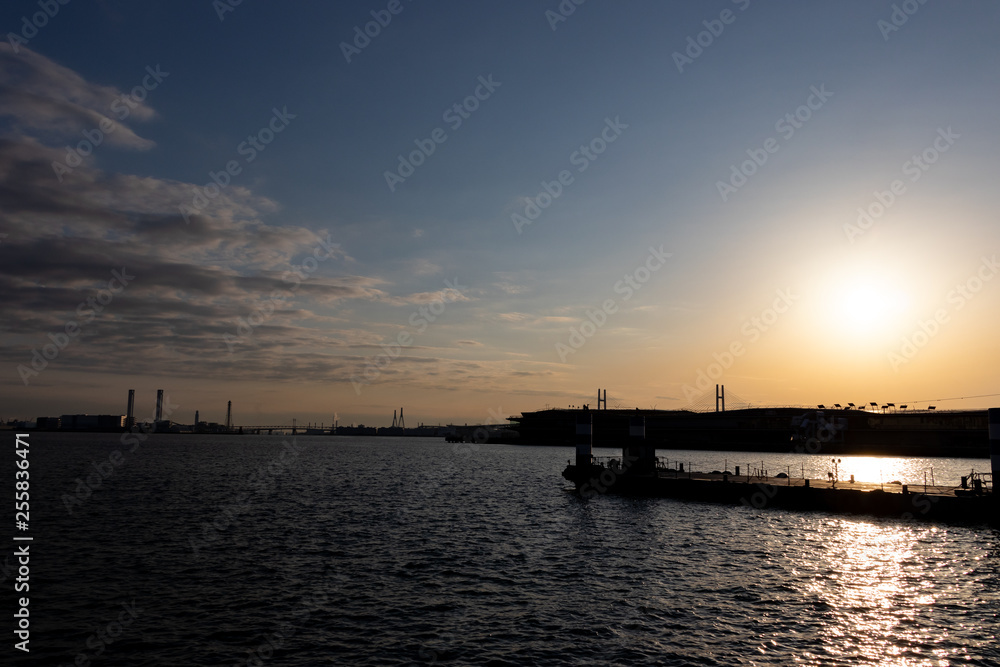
[(639, 473)]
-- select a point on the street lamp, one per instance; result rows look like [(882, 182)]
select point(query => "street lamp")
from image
[(836, 470)]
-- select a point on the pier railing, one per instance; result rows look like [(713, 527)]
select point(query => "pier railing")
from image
[(663, 465), (975, 481), (985, 480)]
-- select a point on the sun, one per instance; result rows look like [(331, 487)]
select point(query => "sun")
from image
[(870, 305), (866, 308)]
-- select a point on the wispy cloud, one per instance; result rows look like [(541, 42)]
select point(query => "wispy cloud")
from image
[(194, 280), (42, 98)]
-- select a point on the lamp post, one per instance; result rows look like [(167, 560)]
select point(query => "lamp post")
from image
[(836, 470)]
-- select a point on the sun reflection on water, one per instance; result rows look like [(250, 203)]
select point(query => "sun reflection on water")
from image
[(871, 469), (877, 589), (875, 470)]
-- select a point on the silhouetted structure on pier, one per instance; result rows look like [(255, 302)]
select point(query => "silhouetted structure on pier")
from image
[(835, 431), (639, 473)]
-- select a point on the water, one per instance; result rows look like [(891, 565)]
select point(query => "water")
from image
[(398, 551), (912, 470)]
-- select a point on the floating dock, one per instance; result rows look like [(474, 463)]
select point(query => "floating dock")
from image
[(638, 473)]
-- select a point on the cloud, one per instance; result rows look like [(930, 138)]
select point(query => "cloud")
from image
[(422, 266), (511, 288), (193, 281), (448, 295), (514, 317), (46, 100), (525, 321)]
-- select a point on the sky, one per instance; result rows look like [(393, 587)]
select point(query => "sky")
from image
[(474, 209)]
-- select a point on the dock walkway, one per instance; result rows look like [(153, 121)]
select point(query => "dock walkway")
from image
[(929, 490)]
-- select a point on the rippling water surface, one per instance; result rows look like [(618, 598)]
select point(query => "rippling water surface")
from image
[(242, 550)]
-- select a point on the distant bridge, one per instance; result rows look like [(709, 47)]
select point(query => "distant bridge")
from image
[(271, 428)]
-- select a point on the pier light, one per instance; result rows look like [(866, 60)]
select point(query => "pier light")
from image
[(837, 405), (903, 407), (993, 423), (821, 407), (851, 405), (931, 407)]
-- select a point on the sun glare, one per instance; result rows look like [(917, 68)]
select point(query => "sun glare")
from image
[(870, 306), (866, 308)]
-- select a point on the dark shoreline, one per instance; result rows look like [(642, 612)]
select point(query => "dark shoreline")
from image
[(952, 434)]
